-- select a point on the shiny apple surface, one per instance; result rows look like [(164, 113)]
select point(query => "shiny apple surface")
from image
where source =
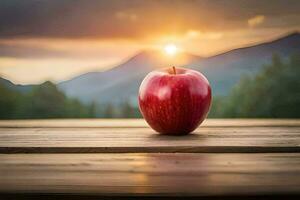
[(174, 102)]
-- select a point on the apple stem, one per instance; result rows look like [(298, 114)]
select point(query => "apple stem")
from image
[(174, 70)]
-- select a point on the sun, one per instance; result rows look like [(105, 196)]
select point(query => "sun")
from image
[(171, 49)]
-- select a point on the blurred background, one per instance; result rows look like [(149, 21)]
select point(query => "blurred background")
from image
[(85, 59)]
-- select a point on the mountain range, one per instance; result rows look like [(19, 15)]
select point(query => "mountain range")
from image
[(226, 69), (10, 85), (120, 84)]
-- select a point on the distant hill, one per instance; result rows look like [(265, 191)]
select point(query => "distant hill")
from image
[(225, 70), (120, 84), (12, 86)]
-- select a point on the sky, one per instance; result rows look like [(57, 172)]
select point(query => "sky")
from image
[(58, 39)]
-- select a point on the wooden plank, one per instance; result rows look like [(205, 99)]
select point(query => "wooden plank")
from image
[(140, 123), (151, 174), (126, 140)]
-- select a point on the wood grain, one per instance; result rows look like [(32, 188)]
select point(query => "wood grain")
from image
[(151, 174), (125, 157), (126, 140)]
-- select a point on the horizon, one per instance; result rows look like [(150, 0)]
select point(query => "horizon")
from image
[(118, 63), (85, 40)]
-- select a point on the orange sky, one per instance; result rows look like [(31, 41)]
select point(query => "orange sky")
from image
[(56, 40)]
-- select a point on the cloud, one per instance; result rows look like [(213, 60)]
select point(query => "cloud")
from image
[(257, 20), (133, 19), (61, 38), (126, 16), (21, 51), (193, 34), (65, 48)]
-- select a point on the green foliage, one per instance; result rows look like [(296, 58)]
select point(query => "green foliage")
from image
[(125, 110), (8, 99), (109, 111), (44, 101), (129, 111), (274, 93)]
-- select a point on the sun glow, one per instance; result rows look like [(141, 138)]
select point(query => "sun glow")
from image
[(171, 49)]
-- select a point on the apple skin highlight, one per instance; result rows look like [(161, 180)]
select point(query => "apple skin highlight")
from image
[(174, 103)]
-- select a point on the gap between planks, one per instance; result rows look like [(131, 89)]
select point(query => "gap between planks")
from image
[(133, 123)]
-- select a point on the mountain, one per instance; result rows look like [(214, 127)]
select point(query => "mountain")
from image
[(225, 70), (120, 84), (8, 84)]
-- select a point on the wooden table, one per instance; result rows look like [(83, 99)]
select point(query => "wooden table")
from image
[(110, 158)]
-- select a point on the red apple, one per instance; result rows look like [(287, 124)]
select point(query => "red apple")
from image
[(174, 101)]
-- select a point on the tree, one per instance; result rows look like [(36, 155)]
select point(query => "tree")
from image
[(46, 102), (275, 92), (43, 101), (109, 111), (8, 101)]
